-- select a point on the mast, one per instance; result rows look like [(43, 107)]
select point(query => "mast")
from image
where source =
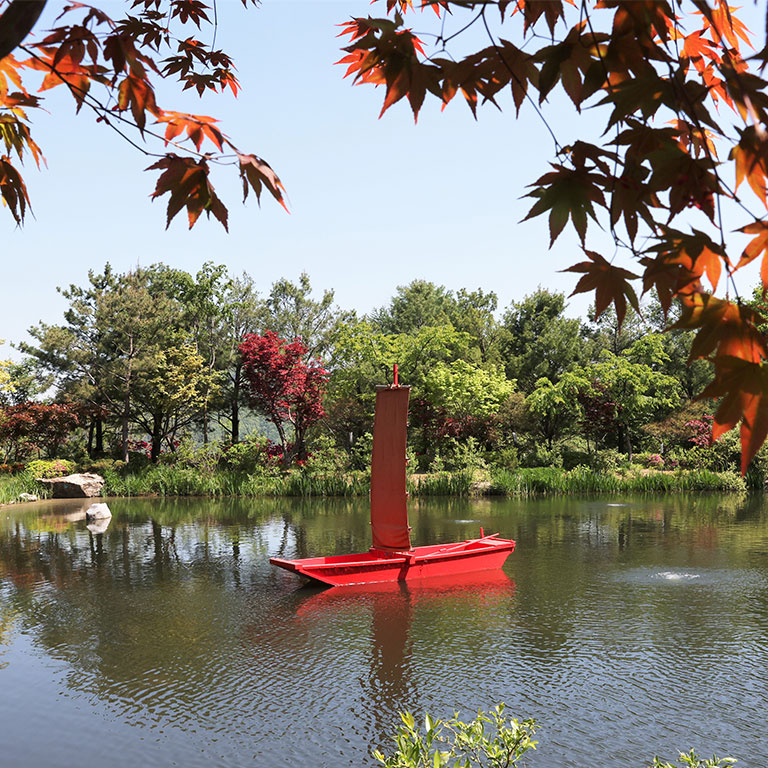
[(389, 499)]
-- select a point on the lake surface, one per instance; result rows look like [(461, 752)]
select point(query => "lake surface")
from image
[(626, 627)]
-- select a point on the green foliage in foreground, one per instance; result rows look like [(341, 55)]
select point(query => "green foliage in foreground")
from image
[(692, 760), (490, 740)]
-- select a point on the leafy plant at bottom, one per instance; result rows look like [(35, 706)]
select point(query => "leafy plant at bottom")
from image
[(692, 760), (490, 739)]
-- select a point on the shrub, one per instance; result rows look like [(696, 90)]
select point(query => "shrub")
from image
[(325, 457), (607, 460), (360, 455), (505, 458), (490, 740), (251, 455), (487, 740), (48, 468), (654, 461), (541, 456), (100, 466)]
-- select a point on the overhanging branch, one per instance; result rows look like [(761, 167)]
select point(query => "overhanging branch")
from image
[(17, 22)]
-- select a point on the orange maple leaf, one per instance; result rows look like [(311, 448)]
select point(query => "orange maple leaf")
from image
[(757, 246), (725, 328), (609, 283), (197, 127), (186, 180), (743, 386)]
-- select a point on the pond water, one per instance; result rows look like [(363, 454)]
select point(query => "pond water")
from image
[(627, 628)]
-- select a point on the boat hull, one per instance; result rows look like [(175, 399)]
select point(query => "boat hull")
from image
[(377, 566)]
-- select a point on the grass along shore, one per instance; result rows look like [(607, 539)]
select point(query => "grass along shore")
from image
[(525, 482)]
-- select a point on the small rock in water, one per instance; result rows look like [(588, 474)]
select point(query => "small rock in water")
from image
[(99, 525), (98, 512), (27, 497)]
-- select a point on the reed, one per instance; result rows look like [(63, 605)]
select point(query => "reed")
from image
[(12, 486), (442, 484), (552, 481)]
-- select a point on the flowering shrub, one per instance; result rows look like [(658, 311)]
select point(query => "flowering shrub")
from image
[(701, 431), (51, 468), (655, 461)]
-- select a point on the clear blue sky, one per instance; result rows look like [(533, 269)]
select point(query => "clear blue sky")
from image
[(374, 203)]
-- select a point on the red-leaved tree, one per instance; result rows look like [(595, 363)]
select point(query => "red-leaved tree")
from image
[(30, 426), (284, 386)]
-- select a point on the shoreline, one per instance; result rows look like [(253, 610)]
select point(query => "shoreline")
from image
[(167, 481)]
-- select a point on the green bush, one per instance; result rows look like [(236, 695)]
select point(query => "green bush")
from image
[(505, 458), (692, 760), (202, 458), (250, 455), (325, 457), (459, 455), (607, 460), (47, 468), (360, 455), (490, 740), (100, 466), (487, 740), (541, 456)]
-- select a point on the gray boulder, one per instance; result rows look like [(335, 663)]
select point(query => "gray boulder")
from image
[(27, 497), (81, 486)]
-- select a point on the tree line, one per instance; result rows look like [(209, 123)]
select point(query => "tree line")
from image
[(148, 359)]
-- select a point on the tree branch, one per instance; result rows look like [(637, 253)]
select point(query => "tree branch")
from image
[(17, 22)]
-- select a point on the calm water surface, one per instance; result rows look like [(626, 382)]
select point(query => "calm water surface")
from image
[(626, 628)]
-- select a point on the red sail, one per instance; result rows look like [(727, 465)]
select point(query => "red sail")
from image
[(389, 510)]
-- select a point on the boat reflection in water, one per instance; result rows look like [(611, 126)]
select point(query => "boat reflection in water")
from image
[(395, 608)]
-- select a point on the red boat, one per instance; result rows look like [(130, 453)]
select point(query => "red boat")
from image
[(391, 558)]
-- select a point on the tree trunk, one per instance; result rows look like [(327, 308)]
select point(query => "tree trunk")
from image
[(91, 427), (99, 450), (157, 437), (236, 385)]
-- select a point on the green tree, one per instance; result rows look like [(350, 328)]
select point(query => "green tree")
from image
[(640, 392), (464, 389), (244, 312), (414, 306), (6, 384), (540, 341), (291, 312), (555, 407)]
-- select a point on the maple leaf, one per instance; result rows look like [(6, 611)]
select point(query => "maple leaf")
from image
[(186, 180), (137, 93), (255, 172), (757, 246), (13, 191), (532, 10), (197, 127), (609, 283), (382, 53), (487, 72), (682, 260), (566, 192), (725, 328), (743, 386), (750, 156), (568, 62), (630, 196)]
